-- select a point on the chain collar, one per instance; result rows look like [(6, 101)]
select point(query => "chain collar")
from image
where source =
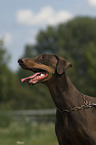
[(87, 104)]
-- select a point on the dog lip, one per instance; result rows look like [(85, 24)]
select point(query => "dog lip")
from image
[(24, 66), (31, 68)]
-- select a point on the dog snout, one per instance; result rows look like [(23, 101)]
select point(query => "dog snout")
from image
[(21, 61)]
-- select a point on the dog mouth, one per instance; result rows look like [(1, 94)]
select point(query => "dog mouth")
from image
[(38, 76)]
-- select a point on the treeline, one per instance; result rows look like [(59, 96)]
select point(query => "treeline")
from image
[(75, 41)]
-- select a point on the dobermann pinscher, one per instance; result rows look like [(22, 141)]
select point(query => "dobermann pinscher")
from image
[(76, 115)]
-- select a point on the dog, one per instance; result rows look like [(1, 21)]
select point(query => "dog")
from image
[(76, 112)]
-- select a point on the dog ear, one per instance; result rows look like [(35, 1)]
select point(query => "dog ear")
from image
[(62, 65)]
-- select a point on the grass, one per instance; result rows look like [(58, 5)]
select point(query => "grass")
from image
[(27, 133)]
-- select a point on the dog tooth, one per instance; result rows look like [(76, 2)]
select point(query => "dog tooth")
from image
[(42, 74)]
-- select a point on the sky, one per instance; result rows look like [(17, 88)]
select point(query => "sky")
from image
[(21, 20)]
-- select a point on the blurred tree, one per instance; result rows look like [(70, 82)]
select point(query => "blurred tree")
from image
[(90, 59), (3, 68), (7, 78), (47, 41)]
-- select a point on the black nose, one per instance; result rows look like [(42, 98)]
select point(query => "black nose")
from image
[(20, 61)]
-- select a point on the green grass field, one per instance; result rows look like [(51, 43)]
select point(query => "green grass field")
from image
[(27, 133)]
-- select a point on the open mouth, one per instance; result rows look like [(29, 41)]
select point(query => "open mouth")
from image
[(38, 76)]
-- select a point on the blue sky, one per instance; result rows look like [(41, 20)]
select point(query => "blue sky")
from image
[(21, 20)]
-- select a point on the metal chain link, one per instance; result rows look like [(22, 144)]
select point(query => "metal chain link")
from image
[(86, 105)]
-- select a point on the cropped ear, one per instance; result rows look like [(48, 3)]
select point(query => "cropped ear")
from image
[(62, 65)]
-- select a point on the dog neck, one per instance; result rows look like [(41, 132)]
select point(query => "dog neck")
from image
[(64, 93)]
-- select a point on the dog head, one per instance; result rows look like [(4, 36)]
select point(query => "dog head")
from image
[(44, 67)]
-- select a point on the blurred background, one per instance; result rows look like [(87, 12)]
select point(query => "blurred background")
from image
[(29, 28)]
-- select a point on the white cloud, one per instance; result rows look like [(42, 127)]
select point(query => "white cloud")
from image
[(92, 3), (45, 16), (7, 38)]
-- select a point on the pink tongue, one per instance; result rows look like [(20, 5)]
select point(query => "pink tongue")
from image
[(30, 77)]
